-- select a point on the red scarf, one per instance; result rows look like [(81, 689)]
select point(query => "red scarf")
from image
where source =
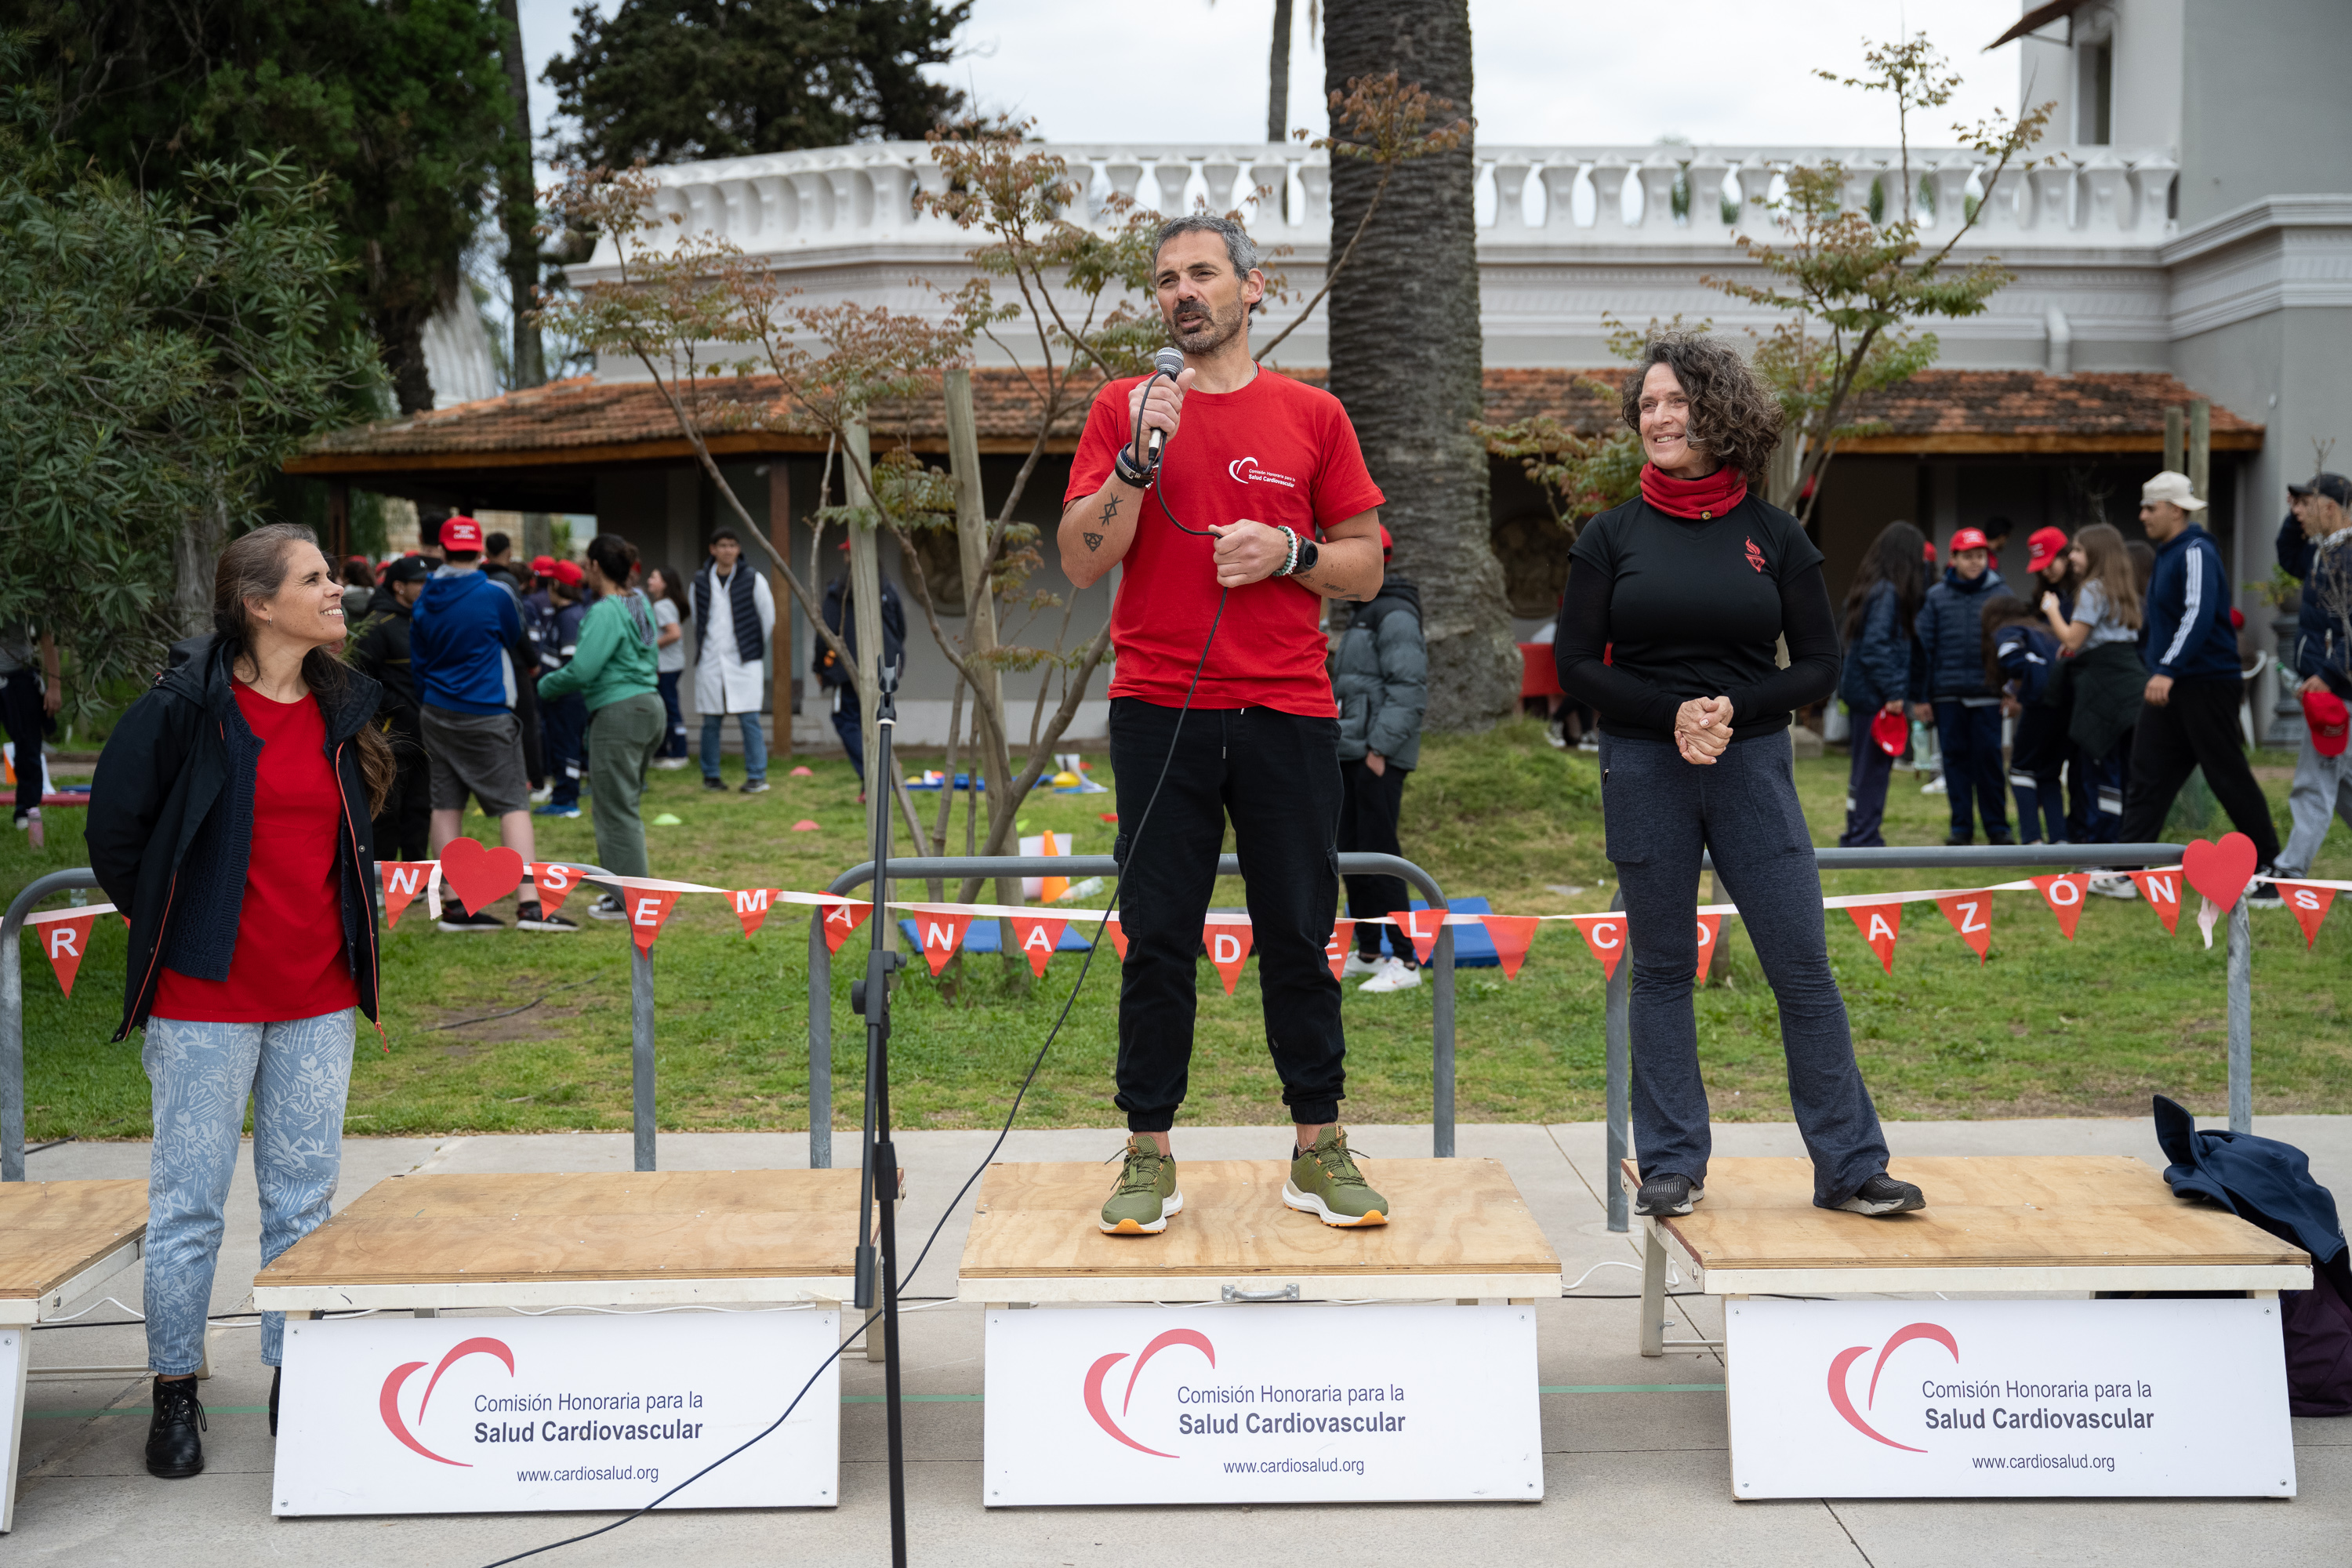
[(1697, 499)]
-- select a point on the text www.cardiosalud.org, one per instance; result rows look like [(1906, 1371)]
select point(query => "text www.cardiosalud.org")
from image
[(2044, 1462), (1294, 1467), (593, 1473)]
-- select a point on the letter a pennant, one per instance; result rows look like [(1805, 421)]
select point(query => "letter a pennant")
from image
[(2310, 906), (403, 880), (1512, 936), (648, 909), (1336, 951), (1971, 916), (751, 907), (1605, 935), (64, 935), (1880, 924), (1711, 927), (2162, 890), (555, 881), (1038, 938), (942, 931), (840, 920), (2065, 895), (1227, 945)]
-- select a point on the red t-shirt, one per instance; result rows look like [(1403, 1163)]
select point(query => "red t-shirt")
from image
[(1276, 452), (290, 961)]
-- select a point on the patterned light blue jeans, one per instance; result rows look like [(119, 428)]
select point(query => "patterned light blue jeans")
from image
[(299, 1074)]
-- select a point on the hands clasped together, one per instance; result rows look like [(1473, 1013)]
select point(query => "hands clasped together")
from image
[(1703, 729)]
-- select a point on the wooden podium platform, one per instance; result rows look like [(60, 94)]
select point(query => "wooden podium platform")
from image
[(1462, 1231), (57, 1241), (638, 1238)]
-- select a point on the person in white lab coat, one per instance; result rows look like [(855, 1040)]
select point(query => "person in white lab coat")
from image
[(736, 614)]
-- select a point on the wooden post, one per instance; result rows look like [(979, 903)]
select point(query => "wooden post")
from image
[(979, 611), (2175, 447), (865, 608), (780, 686), (2200, 449)]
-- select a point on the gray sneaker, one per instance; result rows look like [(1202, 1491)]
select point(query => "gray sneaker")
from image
[(755, 786), (1883, 1196)]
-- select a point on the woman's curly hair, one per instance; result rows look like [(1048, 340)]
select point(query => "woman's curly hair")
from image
[(1734, 417)]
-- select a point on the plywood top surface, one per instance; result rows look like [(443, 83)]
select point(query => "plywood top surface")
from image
[(640, 1225), (51, 1231), (1451, 1217), (2004, 1212)]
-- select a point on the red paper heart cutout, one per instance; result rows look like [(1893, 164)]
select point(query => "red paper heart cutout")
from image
[(2220, 871), (480, 876)]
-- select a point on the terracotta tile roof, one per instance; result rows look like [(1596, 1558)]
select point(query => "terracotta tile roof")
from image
[(584, 420)]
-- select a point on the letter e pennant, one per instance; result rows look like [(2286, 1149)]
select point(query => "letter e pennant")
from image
[(2310, 907), (1512, 936), (64, 935), (2162, 890), (1038, 938), (1971, 916), (2065, 895), (1879, 924), (1336, 951), (1227, 945), (1711, 927), (647, 911), (942, 931), (1605, 935), (403, 880)]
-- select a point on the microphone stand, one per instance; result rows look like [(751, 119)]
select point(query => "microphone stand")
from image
[(880, 1180)]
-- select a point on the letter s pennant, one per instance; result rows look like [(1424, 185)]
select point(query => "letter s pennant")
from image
[(2309, 903)]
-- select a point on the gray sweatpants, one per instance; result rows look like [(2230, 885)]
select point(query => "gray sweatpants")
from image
[(2322, 791), (1663, 812)]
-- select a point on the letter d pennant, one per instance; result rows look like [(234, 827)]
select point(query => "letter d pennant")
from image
[(1038, 938), (1879, 924), (942, 931), (1605, 935), (648, 909), (1512, 936), (1227, 945), (2065, 895), (1336, 951), (403, 880), (2310, 907), (64, 935), (2162, 890), (1971, 916)]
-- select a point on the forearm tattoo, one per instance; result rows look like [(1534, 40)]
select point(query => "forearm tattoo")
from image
[(1094, 540)]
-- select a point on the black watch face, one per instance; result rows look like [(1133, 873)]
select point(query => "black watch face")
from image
[(1308, 554)]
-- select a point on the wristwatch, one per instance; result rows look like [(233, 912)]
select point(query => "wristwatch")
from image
[(1308, 555)]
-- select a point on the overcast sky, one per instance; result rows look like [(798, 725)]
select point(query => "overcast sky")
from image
[(1548, 71)]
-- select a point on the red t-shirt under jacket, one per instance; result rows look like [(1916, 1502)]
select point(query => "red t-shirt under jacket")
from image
[(1276, 452), (290, 961)]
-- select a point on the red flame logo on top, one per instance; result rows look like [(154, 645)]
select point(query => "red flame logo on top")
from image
[(388, 1401), (1101, 1369), (1843, 1400), (1755, 556)]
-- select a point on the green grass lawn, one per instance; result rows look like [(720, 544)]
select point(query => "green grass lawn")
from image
[(2044, 1028)]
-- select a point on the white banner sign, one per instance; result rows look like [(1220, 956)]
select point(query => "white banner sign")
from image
[(1859, 1398), (1271, 1404), (524, 1414), (11, 1417)]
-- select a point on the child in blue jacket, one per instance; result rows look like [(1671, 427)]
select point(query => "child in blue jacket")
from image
[(1965, 706), (2021, 659)]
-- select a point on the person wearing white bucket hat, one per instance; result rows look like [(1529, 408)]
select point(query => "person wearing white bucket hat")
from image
[(2188, 718)]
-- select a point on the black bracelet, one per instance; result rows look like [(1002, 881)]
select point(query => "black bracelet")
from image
[(1134, 473)]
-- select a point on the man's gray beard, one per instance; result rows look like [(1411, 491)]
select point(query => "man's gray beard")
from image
[(1211, 336)]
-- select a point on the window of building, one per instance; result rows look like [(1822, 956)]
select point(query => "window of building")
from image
[(2094, 95)]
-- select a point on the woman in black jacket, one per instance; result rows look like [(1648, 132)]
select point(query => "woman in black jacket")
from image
[(1694, 583), (229, 821)]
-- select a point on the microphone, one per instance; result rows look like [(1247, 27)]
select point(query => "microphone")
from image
[(1170, 363)]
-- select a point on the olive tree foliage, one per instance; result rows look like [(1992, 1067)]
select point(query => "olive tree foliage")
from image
[(162, 352)]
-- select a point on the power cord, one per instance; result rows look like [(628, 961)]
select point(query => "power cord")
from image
[(1086, 966)]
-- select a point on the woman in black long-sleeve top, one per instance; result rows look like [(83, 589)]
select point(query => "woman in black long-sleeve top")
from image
[(1675, 601)]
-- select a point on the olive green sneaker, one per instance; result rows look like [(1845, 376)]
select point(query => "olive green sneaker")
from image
[(1146, 1195), (1324, 1182)]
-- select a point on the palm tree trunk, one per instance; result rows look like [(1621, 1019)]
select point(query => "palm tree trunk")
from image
[(1405, 354), (1277, 97)]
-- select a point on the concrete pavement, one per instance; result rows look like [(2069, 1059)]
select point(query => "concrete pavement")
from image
[(1631, 1478)]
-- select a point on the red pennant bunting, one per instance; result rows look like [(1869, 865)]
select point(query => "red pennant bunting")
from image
[(1117, 936), (941, 932), (1605, 935), (479, 876), (1227, 945), (840, 920), (2162, 890), (646, 910), (2065, 893), (1336, 951), (1879, 924), (1971, 916), (2310, 907), (403, 881), (1512, 936), (1038, 938), (1422, 926), (554, 881), (1711, 927), (64, 937), (751, 907)]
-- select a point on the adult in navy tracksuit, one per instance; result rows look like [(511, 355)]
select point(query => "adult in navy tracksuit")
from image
[(1965, 706), (1882, 609), (2188, 714)]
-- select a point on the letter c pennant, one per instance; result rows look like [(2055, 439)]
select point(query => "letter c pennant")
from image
[(1605, 935)]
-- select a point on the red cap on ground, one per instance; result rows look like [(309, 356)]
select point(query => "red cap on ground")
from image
[(2043, 546), (1969, 539), (2329, 720), (567, 572), (461, 534), (543, 565)]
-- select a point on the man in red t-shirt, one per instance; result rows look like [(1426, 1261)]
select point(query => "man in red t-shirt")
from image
[(1259, 511)]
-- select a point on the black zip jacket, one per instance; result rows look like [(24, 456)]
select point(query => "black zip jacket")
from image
[(379, 649), (171, 821)]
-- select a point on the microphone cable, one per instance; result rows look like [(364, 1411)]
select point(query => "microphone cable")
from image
[(1036, 1064)]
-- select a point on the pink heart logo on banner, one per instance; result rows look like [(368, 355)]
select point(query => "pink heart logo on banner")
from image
[(2220, 871), (480, 876)]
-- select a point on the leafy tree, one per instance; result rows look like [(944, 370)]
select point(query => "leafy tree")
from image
[(164, 352), (403, 109), (673, 81)]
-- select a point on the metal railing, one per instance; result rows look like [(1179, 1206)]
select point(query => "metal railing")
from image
[(943, 868), (1619, 1032)]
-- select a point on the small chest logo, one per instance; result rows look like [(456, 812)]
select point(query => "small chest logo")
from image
[(1244, 470), (1755, 556)]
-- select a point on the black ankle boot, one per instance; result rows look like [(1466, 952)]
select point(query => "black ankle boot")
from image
[(174, 1451), (276, 1375)]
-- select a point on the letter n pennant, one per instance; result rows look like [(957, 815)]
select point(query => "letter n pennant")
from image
[(1879, 924), (403, 880), (1227, 945), (840, 920), (648, 909), (942, 931), (1336, 951), (1971, 916), (2065, 895), (2162, 890), (2310, 906), (1038, 938), (1512, 936), (1710, 928), (1605, 935), (751, 907), (64, 935)]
